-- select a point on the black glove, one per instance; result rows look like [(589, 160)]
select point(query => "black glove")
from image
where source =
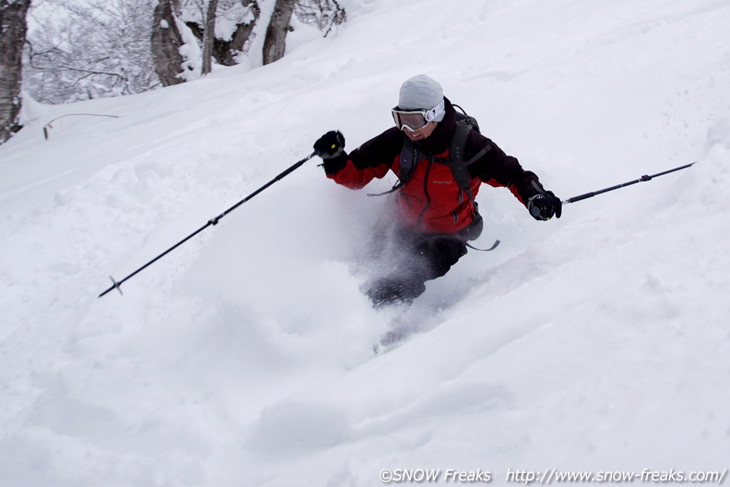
[(544, 205), (331, 145)]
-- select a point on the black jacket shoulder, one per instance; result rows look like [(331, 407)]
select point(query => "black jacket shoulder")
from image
[(381, 149), (496, 166)]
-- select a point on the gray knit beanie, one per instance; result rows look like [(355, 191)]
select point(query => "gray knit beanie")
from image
[(421, 92)]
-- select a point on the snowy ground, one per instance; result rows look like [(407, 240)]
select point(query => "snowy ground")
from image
[(600, 341)]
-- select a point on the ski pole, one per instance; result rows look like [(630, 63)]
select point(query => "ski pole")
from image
[(213, 221), (623, 185)]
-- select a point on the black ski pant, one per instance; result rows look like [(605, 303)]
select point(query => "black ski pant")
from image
[(421, 257)]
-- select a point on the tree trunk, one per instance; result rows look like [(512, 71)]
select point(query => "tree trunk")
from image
[(209, 36), (229, 50), (225, 53), (166, 43), (12, 39), (275, 41)]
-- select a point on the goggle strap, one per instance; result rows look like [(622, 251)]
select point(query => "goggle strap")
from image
[(434, 113)]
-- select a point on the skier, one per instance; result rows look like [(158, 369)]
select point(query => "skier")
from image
[(434, 210)]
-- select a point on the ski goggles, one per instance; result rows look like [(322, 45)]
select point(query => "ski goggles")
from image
[(416, 119)]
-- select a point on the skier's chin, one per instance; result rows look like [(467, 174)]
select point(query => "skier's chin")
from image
[(415, 136)]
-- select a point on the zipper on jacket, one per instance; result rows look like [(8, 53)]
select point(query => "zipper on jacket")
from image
[(425, 191)]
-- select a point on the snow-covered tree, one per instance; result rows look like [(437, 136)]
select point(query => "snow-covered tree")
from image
[(166, 41), (96, 48), (279, 26), (184, 23), (12, 37), (209, 36), (89, 50), (323, 14)]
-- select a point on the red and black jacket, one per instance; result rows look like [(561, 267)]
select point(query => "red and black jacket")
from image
[(431, 201)]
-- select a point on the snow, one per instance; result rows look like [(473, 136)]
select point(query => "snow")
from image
[(596, 342)]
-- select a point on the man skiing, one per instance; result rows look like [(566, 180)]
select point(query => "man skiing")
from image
[(440, 173)]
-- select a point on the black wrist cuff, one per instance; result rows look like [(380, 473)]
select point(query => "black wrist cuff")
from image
[(335, 164)]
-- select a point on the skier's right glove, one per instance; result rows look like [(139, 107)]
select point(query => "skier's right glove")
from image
[(331, 148)]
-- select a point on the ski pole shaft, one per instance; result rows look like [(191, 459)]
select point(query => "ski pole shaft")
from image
[(213, 221), (623, 185)]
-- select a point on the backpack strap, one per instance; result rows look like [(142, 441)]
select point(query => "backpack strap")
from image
[(408, 159), (458, 142), (459, 167)]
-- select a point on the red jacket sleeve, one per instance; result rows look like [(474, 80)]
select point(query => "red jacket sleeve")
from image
[(355, 178), (373, 159)]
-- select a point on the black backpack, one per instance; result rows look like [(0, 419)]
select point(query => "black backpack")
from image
[(459, 167)]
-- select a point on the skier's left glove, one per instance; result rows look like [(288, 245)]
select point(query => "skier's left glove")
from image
[(543, 206)]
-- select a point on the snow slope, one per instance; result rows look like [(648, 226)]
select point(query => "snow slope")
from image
[(600, 341)]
